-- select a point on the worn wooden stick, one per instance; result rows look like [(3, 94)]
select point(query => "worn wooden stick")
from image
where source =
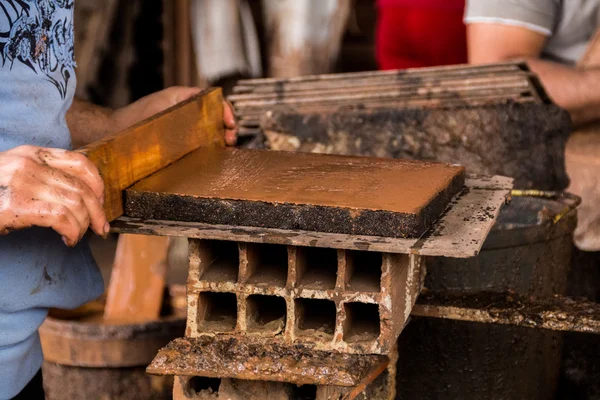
[(128, 156)]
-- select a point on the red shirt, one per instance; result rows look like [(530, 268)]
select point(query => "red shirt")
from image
[(420, 33), (438, 4)]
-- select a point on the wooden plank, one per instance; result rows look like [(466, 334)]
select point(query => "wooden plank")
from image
[(414, 87), (314, 192), (358, 96), (440, 71), (251, 116), (133, 154), (456, 237), (137, 281), (555, 313)]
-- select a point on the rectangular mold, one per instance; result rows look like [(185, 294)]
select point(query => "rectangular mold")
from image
[(315, 318), (218, 261), (348, 301), (265, 314), (363, 271), (316, 268), (217, 312), (266, 264), (362, 323)]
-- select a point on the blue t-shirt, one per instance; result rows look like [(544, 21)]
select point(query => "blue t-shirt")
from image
[(37, 271)]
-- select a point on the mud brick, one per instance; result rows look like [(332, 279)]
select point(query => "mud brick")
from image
[(345, 301), (310, 192)]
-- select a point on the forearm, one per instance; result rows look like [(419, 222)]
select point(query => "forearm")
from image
[(88, 122), (577, 90)]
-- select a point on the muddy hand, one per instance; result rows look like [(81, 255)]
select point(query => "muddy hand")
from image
[(51, 188)]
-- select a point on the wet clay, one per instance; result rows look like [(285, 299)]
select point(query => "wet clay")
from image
[(337, 194)]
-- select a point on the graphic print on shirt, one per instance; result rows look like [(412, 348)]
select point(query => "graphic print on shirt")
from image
[(39, 35)]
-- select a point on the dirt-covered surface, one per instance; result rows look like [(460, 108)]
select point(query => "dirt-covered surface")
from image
[(555, 313), (213, 357)]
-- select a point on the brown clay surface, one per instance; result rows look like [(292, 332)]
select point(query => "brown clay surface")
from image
[(338, 194)]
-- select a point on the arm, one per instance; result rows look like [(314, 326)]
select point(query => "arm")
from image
[(62, 189), (571, 88), (88, 122)]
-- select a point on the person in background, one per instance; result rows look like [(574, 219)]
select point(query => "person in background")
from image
[(420, 33), (551, 35), (49, 195), (559, 41)]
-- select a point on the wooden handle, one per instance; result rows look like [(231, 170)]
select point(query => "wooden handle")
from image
[(137, 152)]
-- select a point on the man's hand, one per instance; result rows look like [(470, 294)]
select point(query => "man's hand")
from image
[(160, 101), (51, 188)]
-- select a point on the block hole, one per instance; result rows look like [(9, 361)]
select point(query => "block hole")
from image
[(200, 384), (362, 322), (265, 314), (217, 312), (315, 317), (219, 261), (317, 268), (304, 392), (363, 273), (267, 264)]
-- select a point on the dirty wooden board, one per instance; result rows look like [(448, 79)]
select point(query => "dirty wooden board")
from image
[(420, 88), (230, 358), (555, 313), (130, 155), (285, 190), (460, 231), (269, 84)]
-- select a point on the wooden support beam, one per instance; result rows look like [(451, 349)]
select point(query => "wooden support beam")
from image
[(555, 313)]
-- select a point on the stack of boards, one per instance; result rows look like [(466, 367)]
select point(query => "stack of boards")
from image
[(438, 87)]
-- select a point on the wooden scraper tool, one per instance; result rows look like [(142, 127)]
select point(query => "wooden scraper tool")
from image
[(137, 282)]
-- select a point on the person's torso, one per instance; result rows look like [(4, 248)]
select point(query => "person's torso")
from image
[(37, 271), (37, 71), (576, 22)]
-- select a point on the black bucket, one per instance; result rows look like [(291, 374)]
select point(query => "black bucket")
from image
[(527, 253)]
